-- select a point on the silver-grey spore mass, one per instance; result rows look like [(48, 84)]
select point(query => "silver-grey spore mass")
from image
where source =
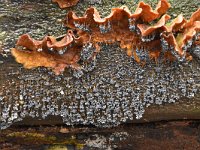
[(112, 90)]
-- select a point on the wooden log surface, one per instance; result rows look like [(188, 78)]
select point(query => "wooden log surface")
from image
[(40, 18), (185, 108), (158, 135), (13, 77), (19, 86)]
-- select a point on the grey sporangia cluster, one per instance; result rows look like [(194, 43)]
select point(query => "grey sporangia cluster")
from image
[(111, 89)]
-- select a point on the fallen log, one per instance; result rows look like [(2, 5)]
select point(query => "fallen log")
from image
[(113, 90)]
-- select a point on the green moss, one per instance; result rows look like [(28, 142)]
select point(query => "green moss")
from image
[(2, 35), (28, 137), (64, 147), (168, 24), (57, 147), (22, 134), (33, 137), (2, 140), (71, 141), (179, 39)]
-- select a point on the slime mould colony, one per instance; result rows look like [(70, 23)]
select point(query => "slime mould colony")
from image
[(117, 66), (146, 30)]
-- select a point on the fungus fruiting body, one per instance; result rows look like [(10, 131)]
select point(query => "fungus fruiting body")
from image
[(145, 30)]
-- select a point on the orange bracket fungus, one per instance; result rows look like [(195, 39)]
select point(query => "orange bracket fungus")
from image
[(66, 3), (48, 52), (145, 30)]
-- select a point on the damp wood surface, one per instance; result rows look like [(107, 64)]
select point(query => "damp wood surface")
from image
[(158, 135), (21, 17), (184, 109)]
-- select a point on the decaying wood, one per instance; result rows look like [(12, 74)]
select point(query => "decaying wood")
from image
[(183, 109), (160, 135), (18, 85)]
